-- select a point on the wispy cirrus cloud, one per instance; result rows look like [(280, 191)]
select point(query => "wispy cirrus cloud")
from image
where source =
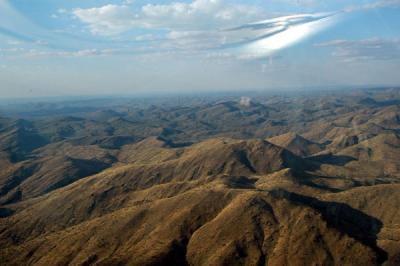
[(194, 44), (361, 50), (251, 40), (374, 5), (39, 53), (246, 41), (114, 19), (212, 25), (269, 36), (200, 25)]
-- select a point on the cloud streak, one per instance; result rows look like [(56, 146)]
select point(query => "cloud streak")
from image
[(197, 26), (375, 5), (364, 50), (273, 35), (209, 26), (248, 41)]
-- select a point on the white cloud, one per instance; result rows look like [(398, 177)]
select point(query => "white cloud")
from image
[(11, 50), (108, 19), (361, 50), (59, 13), (250, 41), (147, 37), (199, 14), (383, 3), (375, 5), (195, 26), (36, 53), (14, 42), (62, 11), (193, 40)]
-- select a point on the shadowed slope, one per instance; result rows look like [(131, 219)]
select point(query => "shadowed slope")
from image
[(297, 144), (240, 227)]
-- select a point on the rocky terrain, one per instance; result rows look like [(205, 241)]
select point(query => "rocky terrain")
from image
[(285, 179)]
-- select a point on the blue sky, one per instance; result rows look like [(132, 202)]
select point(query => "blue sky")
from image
[(70, 47)]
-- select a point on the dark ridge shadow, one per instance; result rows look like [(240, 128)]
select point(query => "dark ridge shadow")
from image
[(308, 180), (116, 142), (231, 106), (244, 159), (13, 198), (326, 143), (90, 260), (322, 187), (26, 139), (388, 103), (18, 177), (239, 182), (374, 103), (339, 160), (176, 255), (84, 168), (110, 142), (6, 212), (354, 223), (171, 144)]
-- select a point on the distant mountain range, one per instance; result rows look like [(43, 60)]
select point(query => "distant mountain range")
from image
[(279, 180)]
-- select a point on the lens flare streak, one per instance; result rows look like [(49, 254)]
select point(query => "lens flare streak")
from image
[(286, 31)]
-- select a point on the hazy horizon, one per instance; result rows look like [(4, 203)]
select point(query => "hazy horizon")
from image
[(169, 93)]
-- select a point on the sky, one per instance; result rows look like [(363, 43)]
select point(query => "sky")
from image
[(128, 47)]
